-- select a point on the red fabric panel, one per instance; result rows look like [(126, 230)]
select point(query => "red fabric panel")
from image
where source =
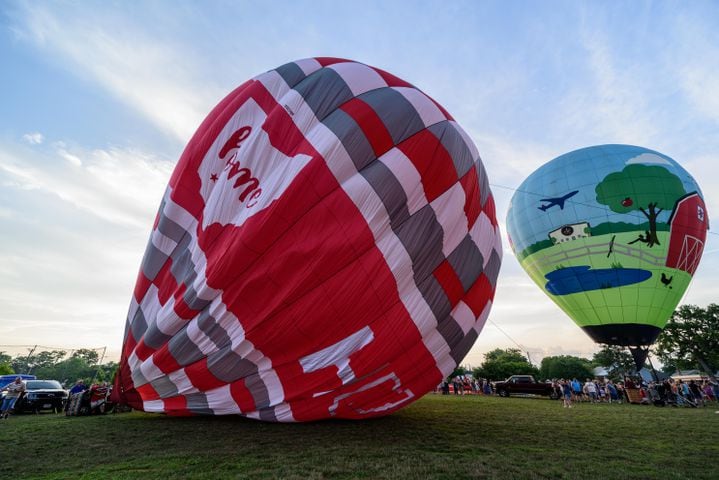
[(242, 396), (327, 61), (143, 351), (478, 295), (201, 377), (163, 359), (448, 279), (165, 282), (432, 161), (391, 80), (490, 211), (176, 406), (147, 392), (370, 123), (472, 205), (142, 284)]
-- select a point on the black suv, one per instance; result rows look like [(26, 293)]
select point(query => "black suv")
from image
[(42, 395)]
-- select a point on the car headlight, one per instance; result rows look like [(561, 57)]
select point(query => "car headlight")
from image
[(31, 396)]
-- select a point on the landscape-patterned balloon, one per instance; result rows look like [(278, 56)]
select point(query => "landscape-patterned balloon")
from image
[(613, 234)]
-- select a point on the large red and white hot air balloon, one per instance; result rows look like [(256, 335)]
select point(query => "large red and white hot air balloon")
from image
[(327, 247)]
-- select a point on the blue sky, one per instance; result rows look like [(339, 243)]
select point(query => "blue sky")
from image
[(99, 98)]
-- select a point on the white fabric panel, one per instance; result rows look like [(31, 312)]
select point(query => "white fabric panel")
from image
[(149, 370), (464, 317), (405, 172), (221, 402), (426, 108), (273, 82), (183, 384), (164, 244), (483, 234), (153, 406), (308, 65), (482, 320), (359, 78), (445, 209)]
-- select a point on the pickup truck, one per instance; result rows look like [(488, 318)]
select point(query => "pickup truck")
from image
[(524, 384)]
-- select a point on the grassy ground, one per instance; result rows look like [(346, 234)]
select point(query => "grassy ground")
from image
[(437, 437)]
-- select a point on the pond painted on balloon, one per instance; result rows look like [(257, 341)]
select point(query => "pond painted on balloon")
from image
[(583, 278)]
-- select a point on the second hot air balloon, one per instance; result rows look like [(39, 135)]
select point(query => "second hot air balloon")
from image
[(613, 234)]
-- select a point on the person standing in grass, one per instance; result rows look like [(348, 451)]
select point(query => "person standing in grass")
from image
[(576, 389), (14, 390), (612, 391), (566, 393), (590, 389), (696, 393)]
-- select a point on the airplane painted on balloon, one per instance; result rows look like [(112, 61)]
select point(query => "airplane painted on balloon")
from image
[(556, 201)]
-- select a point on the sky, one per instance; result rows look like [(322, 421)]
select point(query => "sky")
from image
[(98, 99)]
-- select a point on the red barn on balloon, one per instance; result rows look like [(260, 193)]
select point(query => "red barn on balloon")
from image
[(688, 230)]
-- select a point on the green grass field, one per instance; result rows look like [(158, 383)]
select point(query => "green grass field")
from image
[(436, 437)]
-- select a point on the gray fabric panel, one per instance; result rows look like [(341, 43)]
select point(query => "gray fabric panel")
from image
[(389, 190), (462, 348), (170, 229), (182, 267), (184, 350), (483, 182), (450, 331), (228, 366), (421, 235), (324, 91), (191, 299), (139, 325), (259, 392), (398, 115), (352, 137), (212, 329), (492, 268), (435, 297), (164, 387), (454, 143), (153, 261), (291, 73), (268, 414), (154, 338), (467, 261), (197, 403), (138, 379)]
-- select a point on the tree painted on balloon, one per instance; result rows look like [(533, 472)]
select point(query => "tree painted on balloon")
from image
[(644, 188)]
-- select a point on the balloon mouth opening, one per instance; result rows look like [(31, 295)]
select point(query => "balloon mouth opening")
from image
[(636, 336), (623, 334)]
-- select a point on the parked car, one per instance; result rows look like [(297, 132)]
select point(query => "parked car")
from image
[(42, 395), (524, 384)]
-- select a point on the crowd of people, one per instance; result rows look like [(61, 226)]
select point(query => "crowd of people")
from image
[(631, 390)]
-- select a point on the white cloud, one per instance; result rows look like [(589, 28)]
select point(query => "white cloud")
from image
[(69, 157), (158, 79), (121, 186), (35, 138), (648, 158)]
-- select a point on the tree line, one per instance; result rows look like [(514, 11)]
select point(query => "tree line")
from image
[(689, 341), (57, 365)]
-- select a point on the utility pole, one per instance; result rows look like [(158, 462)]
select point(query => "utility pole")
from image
[(27, 360)]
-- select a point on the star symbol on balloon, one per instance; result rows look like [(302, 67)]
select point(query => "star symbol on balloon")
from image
[(213, 177)]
